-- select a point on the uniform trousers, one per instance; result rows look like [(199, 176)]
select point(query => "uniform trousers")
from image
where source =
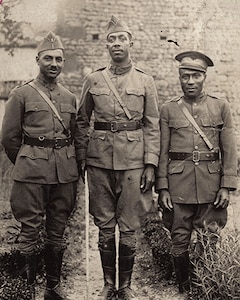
[(31, 203), (184, 218), (116, 199)]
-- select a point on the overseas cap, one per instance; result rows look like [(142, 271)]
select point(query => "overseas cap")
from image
[(194, 60), (50, 42), (116, 25)]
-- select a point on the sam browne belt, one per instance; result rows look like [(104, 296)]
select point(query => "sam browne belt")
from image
[(56, 143), (195, 156), (118, 126)]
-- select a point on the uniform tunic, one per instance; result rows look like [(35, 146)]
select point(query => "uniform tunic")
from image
[(198, 182), (121, 150), (28, 114)]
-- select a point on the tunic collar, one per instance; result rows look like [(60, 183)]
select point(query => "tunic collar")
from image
[(50, 85), (198, 99), (117, 70)]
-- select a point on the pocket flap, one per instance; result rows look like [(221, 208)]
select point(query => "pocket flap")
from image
[(99, 91), (33, 152), (176, 167), (212, 122), (134, 91), (214, 167), (67, 108), (134, 135), (178, 123), (36, 106), (98, 134)]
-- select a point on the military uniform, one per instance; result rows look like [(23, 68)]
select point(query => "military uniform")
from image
[(116, 152), (196, 162), (45, 171)]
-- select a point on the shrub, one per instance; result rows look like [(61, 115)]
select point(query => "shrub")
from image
[(216, 272), (159, 240)]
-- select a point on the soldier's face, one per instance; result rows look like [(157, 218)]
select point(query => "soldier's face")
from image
[(192, 82), (50, 62), (118, 45)]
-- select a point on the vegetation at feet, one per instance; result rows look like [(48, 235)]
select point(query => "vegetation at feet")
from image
[(215, 268)]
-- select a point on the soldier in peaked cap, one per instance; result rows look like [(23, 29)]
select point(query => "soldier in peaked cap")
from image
[(38, 141), (120, 154), (192, 179)]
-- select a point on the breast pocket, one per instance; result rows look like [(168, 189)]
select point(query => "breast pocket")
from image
[(178, 123), (67, 110), (214, 123), (135, 99), (37, 114)]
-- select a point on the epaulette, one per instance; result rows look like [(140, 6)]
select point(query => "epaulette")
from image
[(26, 82), (20, 85), (139, 69), (214, 97), (175, 99), (99, 69)]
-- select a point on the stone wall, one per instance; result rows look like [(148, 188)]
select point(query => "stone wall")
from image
[(161, 29)]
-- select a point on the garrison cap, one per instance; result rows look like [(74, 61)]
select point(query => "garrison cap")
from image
[(50, 42), (116, 25), (194, 60)]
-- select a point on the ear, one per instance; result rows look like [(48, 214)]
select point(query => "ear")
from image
[(131, 43), (37, 59)]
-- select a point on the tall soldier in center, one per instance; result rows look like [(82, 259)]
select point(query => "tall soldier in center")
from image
[(120, 154)]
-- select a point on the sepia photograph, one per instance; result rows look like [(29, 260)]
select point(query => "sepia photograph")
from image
[(119, 150)]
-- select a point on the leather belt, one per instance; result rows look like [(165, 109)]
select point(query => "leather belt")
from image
[(56, 143), (195, 156), (118, 126)]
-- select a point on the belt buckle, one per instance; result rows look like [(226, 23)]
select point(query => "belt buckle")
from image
[(57, 144), (196, 156), (113, 126)]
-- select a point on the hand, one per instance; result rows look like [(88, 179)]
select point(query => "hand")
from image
[(164, 200), (222, 198), (82, 169), (147, 179)]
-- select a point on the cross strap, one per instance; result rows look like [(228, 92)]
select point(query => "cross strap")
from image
[(49, 102), (195, 125), (115, 92)]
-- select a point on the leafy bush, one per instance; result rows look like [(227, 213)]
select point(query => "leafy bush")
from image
[(159, 240)]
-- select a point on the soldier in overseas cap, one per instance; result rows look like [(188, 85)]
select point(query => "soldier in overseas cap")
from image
[(193, 181), (38, 141), (120, 154)]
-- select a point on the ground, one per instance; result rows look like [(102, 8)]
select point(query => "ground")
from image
[(82, 274)]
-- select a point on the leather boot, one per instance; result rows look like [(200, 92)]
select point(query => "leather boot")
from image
[(27, 269), (53, 261), (126, 262), (108, 258), (181, 264)]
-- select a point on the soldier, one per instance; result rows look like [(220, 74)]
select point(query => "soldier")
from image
[(120, 154), (37, 137), (197, 165)]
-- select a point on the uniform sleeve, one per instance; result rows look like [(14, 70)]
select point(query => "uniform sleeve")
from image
[(12, 125), (228, 150), (162, 170), (83, 122), (151, 124)]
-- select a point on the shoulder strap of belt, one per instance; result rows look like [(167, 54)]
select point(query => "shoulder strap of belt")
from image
[(49, 102), (115, 92), (195, 125)]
